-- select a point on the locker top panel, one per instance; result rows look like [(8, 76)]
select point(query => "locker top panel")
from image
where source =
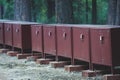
[(3, 21), (22, 23)]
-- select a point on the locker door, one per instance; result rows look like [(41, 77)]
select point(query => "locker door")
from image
[(17, 35), (8, 34), (49, 40), (81, 44), (64, 41), (36, 38), (105, 47), (96, 55)]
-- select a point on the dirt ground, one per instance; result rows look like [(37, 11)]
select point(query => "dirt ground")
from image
[(13, 69)]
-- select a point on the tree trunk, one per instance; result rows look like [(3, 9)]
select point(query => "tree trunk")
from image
[(33, 11), (118, 13), (1, 12), (94, 12), (86, 11), (112, 11), (22, 10), (63, 10), (51, 8)]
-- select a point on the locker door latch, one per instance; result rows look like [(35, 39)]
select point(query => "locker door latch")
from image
[(17, 30), (64, 35), (81, 36), (50, 33), (8, 29), (101, 39), (37, 32)]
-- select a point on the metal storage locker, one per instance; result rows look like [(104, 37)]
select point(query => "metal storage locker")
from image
[(64, 41), (49, 39), (37, 41), (105, 45), (8, 34), (81, 43)]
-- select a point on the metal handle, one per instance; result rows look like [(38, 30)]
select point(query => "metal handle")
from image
[(101, 39), (81, 36), (37, 32), (50, 33), (8, 29), (17, 30), (64, 35)]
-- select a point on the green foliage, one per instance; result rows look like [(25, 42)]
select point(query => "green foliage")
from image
[(79, 11), (8, 9), (39, 11), (102, 8)]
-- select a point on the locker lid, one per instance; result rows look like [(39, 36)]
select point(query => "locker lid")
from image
[(49, 25), (3, 20), (37, 25), (95, 26), (22, 22)]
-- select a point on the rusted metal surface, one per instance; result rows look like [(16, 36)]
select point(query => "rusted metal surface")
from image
[(37, 38), (81, 44), (49, 39)]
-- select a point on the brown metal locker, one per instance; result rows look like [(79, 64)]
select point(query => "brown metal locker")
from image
[(64, 45), (81, 49), (17, 35), (101, 46), (49, 39), (8, 34), (105, 45), (37, 40)]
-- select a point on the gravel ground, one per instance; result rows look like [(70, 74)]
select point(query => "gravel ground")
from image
[(13, 69)]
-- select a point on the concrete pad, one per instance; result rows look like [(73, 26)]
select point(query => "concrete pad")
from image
[(111, 77), (71, 68), (4, 50), (58, 64), (12, 53), (23, 56), (90, 73), (43, 61)]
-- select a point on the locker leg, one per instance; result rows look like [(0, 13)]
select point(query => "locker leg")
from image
[(111, 77), (13, 49), (90, 66), (21, 51), (112, 70), (72, 61), (32, 53), (56, 58)]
